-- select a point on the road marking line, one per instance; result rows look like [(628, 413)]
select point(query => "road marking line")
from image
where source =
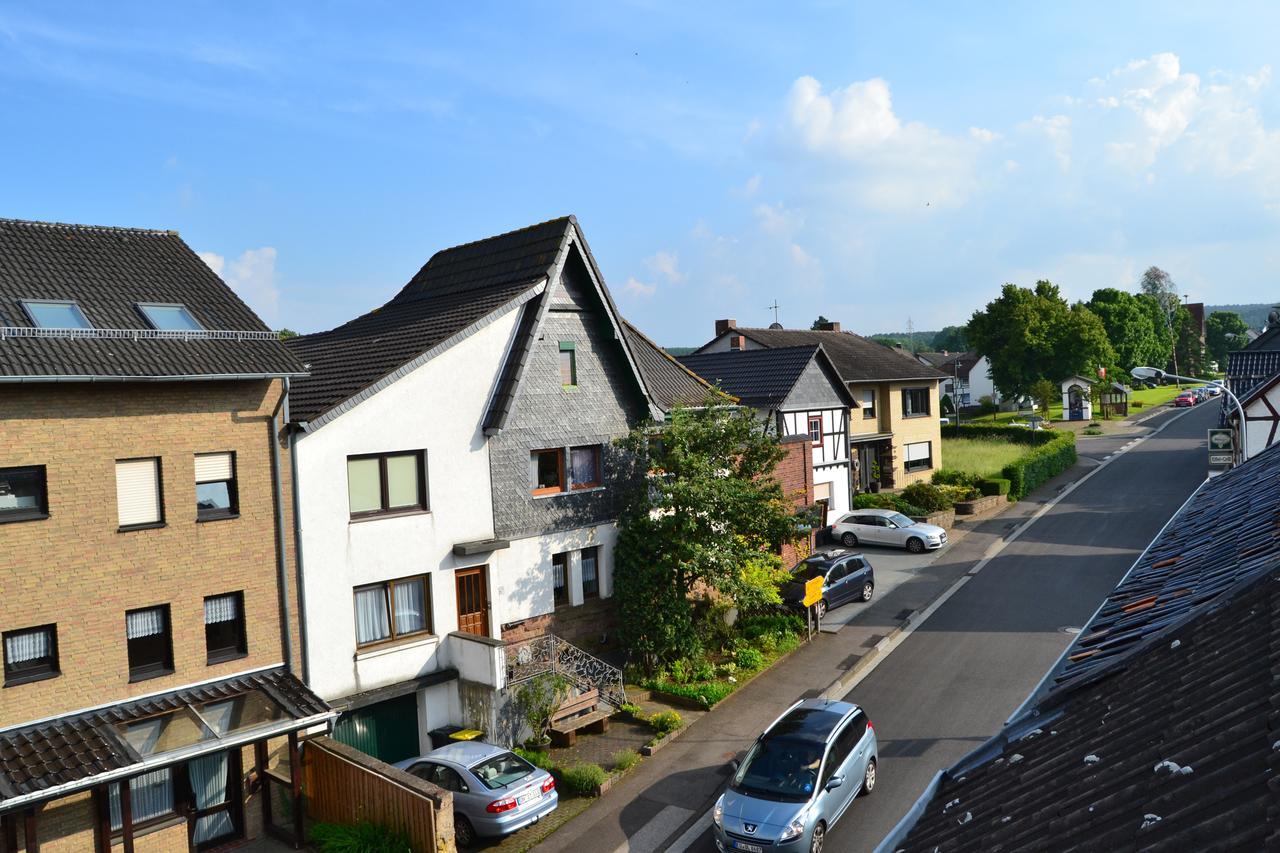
[(881, 650), (653, 833)]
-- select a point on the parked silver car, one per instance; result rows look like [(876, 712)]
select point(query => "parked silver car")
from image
[(797, 779), (495, 791), (887, 527)]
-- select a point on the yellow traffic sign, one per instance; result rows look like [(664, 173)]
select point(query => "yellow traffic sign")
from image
[(812, 591)]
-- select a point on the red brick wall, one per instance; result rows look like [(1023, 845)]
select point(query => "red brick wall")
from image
[(582, 625), (795, 474)]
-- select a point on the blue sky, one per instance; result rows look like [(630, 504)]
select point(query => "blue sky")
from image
[(870, 162)]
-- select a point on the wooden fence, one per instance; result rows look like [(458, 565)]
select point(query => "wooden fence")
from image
[(343, 785)]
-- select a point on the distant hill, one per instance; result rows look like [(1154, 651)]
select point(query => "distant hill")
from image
[(1254, 316)]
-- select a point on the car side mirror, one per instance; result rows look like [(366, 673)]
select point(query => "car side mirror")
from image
[(734, 764), (834, 782)]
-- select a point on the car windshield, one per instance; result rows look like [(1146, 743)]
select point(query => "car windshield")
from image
[(501, 770), (901, 520), (807, 571), (779, 769)]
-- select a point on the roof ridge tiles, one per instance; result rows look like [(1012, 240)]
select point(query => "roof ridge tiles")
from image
[(111, 229)]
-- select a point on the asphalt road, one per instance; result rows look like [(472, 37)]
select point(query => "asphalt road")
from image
[(952, 683)]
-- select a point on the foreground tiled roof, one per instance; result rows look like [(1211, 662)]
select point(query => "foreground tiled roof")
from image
[(107, 271), (77, 747), (670, 383), (1178, 665), (856, 358), (1249, 368), (456, 288), (761, 378)]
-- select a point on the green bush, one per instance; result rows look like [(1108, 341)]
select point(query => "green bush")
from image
[(666, 722), (706, 695), (583, 779), (752, 627), (926, 496), (767, 643), (1040, 464), (625, 759), (955, 494), (994, 486), (630, 710), (788, 643), (681, 671), (952, 477), (749, 658), (1092, 431), (363, 837), (535, 757), (704, 670)]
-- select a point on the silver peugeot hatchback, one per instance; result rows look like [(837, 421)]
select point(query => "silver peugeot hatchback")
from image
[(797, 779)]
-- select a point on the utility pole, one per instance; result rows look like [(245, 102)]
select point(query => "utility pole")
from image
[(911, 335)]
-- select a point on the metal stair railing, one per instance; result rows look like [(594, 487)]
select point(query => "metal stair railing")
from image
[(549, 653)]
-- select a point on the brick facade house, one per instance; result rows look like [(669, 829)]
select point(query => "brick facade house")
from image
[(143, 506)]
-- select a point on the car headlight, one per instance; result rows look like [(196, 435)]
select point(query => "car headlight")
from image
[(717, 813), (795, 829)]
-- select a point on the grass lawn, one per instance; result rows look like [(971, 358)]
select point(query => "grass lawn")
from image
[(1149, 397), (982, 456)]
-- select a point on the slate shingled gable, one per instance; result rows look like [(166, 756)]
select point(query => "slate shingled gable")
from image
[(107, 271), (761, 378), (856, 358)]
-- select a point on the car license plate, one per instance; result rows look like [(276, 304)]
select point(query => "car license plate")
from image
[(748, 847), (528, 798)]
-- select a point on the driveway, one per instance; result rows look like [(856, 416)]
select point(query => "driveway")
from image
[(894, 567)]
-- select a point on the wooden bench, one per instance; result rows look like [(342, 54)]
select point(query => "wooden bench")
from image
[(579, 712)]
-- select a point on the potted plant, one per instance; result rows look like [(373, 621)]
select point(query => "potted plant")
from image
[(537, 699), (874, 485)]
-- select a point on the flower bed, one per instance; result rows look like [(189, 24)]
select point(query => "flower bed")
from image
[(981, 505)]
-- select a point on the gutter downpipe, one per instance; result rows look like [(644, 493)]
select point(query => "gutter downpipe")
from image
[(282, 571), (297, 544)]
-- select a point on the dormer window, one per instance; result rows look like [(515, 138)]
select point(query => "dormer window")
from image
[(56, 314), (169, 318)]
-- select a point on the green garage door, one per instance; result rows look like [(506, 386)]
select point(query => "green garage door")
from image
[(387, 730)]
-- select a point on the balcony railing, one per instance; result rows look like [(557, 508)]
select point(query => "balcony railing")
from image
[(551, 654)]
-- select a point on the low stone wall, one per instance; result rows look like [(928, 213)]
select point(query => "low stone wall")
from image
[(980, 506), (946, 518)]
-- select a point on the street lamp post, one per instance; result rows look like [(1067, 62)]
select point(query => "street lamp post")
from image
[(1157, 373)]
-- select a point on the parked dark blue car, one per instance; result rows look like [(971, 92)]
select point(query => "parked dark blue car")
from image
[(847, 576)]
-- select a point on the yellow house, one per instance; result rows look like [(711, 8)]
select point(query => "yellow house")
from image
[(895, 433)]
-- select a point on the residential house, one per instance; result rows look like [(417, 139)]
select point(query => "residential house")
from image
[(1156, 729), (958, 366), (148, 666), (797, 392), (1253, 375), (895, 429), (458, 484)]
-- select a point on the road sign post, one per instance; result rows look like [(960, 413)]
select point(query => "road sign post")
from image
[(1221, 443), (812, 595)]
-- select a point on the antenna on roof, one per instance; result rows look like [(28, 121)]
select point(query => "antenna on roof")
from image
[(774, 308)]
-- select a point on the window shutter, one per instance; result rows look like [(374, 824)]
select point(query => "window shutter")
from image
[(916, 451), (220, 608), (144, 623), (213, 467), (137, 491)]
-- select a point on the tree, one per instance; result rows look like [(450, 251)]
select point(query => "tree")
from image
[(1188, 351), (1079, 344), (285, 334), (1161, 351), (1159, 285), (1224, 331), (820, 323), (1044, 393), (951, 339), (703, 520), (1130, 327)]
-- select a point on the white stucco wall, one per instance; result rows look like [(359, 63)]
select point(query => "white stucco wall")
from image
[(522, 582), (438, 408), (1262, 420), (980, 384)]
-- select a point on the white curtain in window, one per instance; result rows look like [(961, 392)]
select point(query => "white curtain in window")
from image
[(213, 467), (589, 566), (137, 491), (371, 615), (584, 462), (221, 608), (557, 570), (411, 611), (209, 782), (144, 623), (150, 794), (25, 647)]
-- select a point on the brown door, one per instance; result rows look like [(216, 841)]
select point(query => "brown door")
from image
[(473, 601)]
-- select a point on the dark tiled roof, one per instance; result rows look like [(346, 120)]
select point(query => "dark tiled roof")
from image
[(1248, 368), (1092, 773), (77, 747), (1178, 664), (107, 271), (456, 288), (856, 358), (670, 383), (761, 378)]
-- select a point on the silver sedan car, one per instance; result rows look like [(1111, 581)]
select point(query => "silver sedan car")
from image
[(495, 791), (887, 527)]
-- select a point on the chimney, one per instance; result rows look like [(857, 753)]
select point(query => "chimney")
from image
[(723, 326), (828, 327)]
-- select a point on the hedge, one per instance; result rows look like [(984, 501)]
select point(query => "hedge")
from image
[(1052, 452), (994, 486)]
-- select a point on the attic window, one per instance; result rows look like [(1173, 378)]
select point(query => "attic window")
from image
[(169, 318), (56, 314)]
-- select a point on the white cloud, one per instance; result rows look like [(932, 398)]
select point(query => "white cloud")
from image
[(639, 288), (666, 265), (253, 277), (777, 219), (1057, 130), (981, 134)]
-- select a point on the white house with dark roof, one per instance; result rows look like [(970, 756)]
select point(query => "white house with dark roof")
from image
[(456, 482)]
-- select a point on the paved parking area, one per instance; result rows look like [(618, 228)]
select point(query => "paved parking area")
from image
[(893, 567)]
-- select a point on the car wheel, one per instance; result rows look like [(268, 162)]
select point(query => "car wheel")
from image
[(867, 589), (869, 778), (821, 608), (463, 832), (848, 540), (915, 545), (819, 836)]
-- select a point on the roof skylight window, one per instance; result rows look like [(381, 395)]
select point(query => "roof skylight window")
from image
[(169, 318), (56, 314)]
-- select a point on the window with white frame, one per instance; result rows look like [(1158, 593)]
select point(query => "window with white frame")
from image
[(30, 654), (868, 405), (224, 634), (138, 501), (919, 456), (391, 610), (172, 318), (216, 494)]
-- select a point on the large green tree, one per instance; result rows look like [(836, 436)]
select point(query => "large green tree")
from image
[(1161, 352), (1188, 350), (1033, 334), (1224, 331), (1159, 285), (1130, 327), (703, 520), (951, 339)]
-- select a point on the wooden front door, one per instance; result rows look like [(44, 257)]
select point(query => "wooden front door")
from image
[(473, 601)]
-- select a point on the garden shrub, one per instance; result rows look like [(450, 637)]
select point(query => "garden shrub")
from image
[(752, 627), (681, 671), (954, 494), (952, 477), (584, 779), (706, 695), (625, 759), (926, 496), (994, 486), (1092, 431), (1040, 464), (788, 643), (537, 757), (749, 658), (767, 643), (703, 670), (362, 837), (726, 669), (633, 711), (666, 722)]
